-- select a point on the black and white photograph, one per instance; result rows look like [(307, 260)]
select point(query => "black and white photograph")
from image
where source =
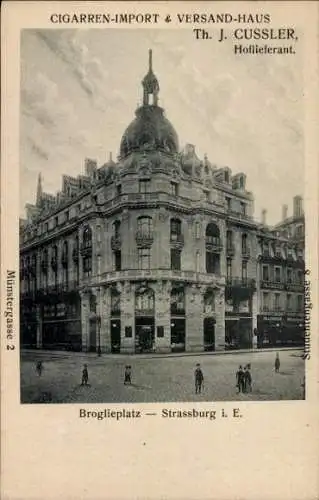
[(161, 220)]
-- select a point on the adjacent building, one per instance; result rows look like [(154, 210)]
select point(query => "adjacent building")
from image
[(156, 251)]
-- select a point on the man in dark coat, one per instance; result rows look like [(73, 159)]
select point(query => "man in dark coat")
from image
[(240, 379), (199, 379), (247, 379)]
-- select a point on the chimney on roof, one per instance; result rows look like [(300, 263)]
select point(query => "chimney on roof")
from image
[(263, 217), (284, 212), (297, 206)]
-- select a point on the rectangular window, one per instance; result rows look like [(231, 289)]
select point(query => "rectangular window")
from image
[(46, 227), (300, 277), (174, 189), (87, 266), (243, 208), (277, 274), (144, 186), (117, 260), (265, 298), (300, 302), (265, 273), (67, 215), (288, 302), (229, 268), (175, 260), (289, 275), (244, 271), (144, 258), (228, 203), (56, 221), (277, 302), (118, 189)]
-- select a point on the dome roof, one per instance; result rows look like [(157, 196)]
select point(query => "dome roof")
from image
[(150, 130)]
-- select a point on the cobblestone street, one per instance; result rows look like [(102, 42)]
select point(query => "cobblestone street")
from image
[(158, 379)]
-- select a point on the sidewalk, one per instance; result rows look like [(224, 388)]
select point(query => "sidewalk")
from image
[(26, 353)]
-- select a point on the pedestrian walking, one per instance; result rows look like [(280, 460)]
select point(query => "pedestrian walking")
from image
[(277, 363), (247, 379), (199, 379), (85, 375), (240, 379), (39, 368), (128, 375)]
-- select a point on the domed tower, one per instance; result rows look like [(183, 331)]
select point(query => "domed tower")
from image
[(150, 130)]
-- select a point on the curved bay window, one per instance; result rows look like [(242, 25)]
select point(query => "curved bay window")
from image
[(87, 252), (213, 247), (145, 227)]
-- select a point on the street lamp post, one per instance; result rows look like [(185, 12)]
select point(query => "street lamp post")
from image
[(98, 325)]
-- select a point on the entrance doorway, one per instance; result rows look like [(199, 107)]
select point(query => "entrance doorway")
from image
[(209, 334), (115, 335), (177, 334), (144, 334)]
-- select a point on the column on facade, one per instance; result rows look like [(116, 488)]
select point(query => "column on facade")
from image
[(194, 340), (220, 319), (104, 308), (128, 244), (162, 317), (127, 317), (85, 319), (39, 326)]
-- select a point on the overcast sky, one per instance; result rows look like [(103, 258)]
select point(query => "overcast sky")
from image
[(80, 88)]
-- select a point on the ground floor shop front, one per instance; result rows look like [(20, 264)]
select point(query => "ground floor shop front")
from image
[(142, 318), (280, 329)]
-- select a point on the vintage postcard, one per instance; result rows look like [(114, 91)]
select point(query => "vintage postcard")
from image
[(159, 250)]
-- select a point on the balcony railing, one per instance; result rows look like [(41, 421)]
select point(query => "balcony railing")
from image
[(213, 244), (177, 240), (241, 282), (116, 242), (86, 249), (144, 239), (245, 252)]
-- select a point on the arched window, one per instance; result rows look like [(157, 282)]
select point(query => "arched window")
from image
[(144, 300), (145, 227), (212, 234), (87, 237), (209, 301), (178, 301)]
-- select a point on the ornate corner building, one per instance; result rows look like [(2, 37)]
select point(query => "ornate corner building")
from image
[(157, 251)]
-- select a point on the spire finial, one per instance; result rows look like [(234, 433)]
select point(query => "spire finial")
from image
[(39, 190), (150, 61)]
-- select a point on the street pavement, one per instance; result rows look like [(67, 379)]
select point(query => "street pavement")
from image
[(158, 379)]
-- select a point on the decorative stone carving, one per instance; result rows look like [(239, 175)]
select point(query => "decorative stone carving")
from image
[(163, 215)]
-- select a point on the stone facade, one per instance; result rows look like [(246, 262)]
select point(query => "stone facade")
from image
[(157, 251)]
